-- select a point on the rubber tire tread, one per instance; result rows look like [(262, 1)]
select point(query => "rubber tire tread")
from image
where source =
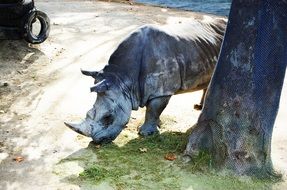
[(45, 27)]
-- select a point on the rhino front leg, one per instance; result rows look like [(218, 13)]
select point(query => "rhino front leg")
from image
[(153, 110), (199, 106)]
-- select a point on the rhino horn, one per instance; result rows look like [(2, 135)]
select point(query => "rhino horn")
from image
[(102, 86), (81, 128)]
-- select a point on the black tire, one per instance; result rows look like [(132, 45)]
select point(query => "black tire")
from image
[(14, 11), (27, 27)]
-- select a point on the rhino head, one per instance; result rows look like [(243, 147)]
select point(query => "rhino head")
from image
[(110, 112)]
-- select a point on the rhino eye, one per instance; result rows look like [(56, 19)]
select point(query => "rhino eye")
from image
[(107, 120)]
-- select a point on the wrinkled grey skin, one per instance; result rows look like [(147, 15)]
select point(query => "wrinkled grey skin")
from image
[(147, 68)]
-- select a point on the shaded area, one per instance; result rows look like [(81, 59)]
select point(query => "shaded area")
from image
[(16, 57), (19, 64), (141, 164)]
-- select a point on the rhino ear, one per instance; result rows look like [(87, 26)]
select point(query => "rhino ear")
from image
[(90, 73), (94, 74), (102, 86)]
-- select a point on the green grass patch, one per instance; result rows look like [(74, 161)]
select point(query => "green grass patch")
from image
[(126, 167), (140, 164)]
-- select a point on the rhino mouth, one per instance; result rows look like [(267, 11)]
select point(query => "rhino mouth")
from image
[(106, 140), (107, 135)]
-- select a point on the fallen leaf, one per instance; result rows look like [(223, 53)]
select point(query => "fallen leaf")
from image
[(18, 159), (98, 146), (143, 150), (170, 156)]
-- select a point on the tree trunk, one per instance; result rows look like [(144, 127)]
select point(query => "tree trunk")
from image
[(243, 97)]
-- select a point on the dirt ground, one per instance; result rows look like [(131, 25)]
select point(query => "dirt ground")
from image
[(41, 87)]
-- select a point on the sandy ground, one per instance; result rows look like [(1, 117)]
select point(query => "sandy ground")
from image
[(41, 86)]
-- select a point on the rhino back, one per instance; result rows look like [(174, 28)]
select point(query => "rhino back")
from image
[(179, 58)]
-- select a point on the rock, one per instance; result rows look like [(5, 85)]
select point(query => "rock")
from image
[(5, 84)]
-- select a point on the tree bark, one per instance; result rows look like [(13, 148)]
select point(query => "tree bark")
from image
[(243, 97)]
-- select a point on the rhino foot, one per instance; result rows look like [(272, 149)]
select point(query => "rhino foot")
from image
[(148, 129)]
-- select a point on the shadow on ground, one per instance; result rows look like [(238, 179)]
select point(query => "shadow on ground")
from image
[(16, 57), (141, 164), (18, 66)]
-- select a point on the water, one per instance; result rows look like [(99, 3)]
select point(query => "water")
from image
[(218, 7)]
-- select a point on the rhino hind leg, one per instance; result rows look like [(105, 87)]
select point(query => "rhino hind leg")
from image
[(199, 106), (154, 109)]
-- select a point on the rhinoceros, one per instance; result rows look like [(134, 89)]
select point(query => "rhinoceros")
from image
[(146, 69)]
